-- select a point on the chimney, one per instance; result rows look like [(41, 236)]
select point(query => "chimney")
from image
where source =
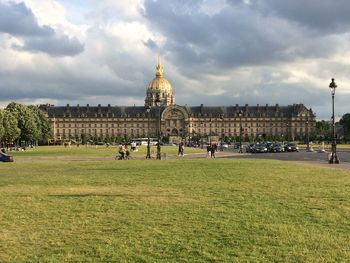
[(67, 109), (277, 107), (257, 108), (99, 108), (237, 107), (109, 108), (87, 108), (78, 108), (246, 107)]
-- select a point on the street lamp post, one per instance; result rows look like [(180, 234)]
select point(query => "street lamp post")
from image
[(334, 157), (222, 117), (240, 113), (307, 136), (158, 104), (148, 155), (210, 131), (222, 137), (201, 134), (308, 147)]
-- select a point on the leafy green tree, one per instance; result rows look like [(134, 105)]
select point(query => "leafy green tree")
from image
[(323, 129), (345, 122), (43, 124), (27, 122), (11, 130), (1, 124)]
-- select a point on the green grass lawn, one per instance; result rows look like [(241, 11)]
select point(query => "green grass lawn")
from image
[(94, 151), (190, 210)]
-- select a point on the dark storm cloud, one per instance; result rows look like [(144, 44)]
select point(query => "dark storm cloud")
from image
[(322, 15), (54, 45), (18, 20), (239, 35), (63, 85), (151, 44)]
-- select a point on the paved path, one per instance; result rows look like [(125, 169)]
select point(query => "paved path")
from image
[(303, 156)]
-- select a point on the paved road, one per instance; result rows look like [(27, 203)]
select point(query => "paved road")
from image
[(302, 156)]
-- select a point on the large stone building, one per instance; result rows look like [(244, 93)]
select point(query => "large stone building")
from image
[(176, 122)]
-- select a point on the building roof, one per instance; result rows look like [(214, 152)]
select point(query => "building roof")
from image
[(193, 111)]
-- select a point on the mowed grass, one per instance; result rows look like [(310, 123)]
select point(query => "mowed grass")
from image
[(190, 210), (95, 151)]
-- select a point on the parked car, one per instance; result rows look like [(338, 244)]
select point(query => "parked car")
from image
[(277, 148), (260, 148), (291, 147), (224, 145), (236, 145), (5, 157), (250, 148), (269, 146)]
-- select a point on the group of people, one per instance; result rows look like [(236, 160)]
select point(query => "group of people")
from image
[(16, 148), (211, 149), (124, 151)]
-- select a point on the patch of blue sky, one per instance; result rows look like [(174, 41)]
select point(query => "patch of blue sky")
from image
[(77, 9)]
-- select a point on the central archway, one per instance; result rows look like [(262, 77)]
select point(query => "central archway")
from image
[(175, 119)]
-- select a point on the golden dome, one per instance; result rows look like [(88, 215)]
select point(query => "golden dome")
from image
[(159, 89), (159, 83)]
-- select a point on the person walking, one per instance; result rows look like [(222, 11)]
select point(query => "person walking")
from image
[(181, 149), (208, 151), (212, 151), (240, 150), (179, 152)]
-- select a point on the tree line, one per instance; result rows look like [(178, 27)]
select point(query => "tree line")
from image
[(22, 125), (324, 129)]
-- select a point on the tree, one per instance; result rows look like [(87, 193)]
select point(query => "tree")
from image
[(11, 130), (323, 129), (1, 124), (345, 122), (27, 122), (42, 123)]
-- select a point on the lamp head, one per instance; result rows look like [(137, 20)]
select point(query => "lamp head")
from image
[(333, 86)]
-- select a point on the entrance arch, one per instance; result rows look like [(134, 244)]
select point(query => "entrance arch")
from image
[(175, 119), (174, 132)]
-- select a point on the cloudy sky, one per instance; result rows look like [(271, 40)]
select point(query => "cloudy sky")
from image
[(215, 52)]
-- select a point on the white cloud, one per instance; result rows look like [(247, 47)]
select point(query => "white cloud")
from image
[(215, 52)]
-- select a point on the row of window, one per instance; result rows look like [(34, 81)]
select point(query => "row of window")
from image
[(144, 125), (230, 132)]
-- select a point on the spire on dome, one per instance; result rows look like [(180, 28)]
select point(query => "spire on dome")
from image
[(159, 67)]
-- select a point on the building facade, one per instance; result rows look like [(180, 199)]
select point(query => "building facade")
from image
[(176, 123)]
